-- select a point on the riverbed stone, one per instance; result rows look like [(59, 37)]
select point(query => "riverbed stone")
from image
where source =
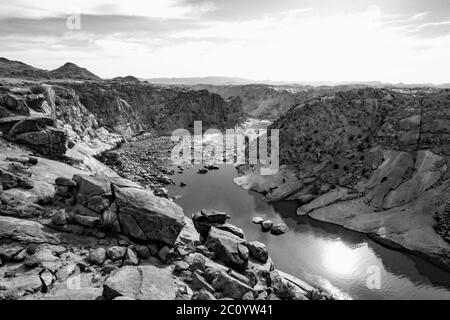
[(279, 228), (267, 225), (257, 220)]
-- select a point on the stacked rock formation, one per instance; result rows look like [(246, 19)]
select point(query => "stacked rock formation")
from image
[(27, 118)]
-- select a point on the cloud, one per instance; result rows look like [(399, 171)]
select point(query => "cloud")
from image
[(307, 40)]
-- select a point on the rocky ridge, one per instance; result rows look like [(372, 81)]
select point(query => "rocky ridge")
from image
[(17, 69)]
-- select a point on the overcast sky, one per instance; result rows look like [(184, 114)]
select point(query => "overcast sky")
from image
[(292, 40)]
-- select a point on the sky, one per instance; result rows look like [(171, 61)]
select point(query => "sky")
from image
[(282, 40)]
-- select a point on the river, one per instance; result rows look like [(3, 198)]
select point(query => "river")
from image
[(330, 256)]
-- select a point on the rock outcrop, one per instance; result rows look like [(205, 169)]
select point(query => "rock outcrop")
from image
[(373, 160), (130, 108)]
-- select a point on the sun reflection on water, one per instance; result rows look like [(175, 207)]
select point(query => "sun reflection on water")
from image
[(340, 259)]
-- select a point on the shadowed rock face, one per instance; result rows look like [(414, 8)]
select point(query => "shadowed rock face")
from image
[(134, 107)]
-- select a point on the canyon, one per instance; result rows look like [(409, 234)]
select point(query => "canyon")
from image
[(84, 169), (72, 228), (372, 160)]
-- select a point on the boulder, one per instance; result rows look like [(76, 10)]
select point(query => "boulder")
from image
[(157, 218), (258, 251), (98, 204), (267, 225), (181, 266), (230, 287), (232, 229), (131, 258), (59, 218), (228, 248), (140, 283), (89, 186), (143, 252), (257, 220), (213, 216), (279, 228), (116, 253), (97, 256)]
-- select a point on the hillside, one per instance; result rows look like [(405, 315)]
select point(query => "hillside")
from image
[(72, 71), (16, 69)]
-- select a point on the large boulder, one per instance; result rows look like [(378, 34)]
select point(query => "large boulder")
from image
[(142, 214), (258, 251), (228, 248), (90, 186), (140, 283)]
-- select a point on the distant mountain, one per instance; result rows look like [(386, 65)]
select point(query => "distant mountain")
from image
[(126, 79), (226, 81), (223, 81), (17, 69), (72, 71)]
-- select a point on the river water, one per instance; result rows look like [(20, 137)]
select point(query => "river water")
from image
[(340, 260)]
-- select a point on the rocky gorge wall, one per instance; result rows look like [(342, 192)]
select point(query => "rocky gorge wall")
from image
[(130, 108), (372, 160)]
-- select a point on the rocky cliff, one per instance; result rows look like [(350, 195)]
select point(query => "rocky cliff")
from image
[(373, 160), (135, 107)]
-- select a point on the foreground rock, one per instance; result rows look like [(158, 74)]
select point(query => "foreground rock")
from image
[(146, 216), (140, 283)]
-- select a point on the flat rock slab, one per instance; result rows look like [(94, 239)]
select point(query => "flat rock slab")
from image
[(410, 226), (140, 283), (26, 231), (21, 285)]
